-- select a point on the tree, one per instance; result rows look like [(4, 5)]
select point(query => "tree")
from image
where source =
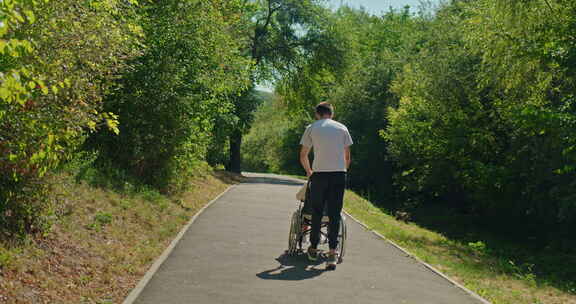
[(168, 103), (283, 34)]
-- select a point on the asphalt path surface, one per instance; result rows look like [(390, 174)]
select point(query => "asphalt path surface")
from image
[(234, 253)]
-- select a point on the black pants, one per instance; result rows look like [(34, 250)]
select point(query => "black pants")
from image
[(326, 191)]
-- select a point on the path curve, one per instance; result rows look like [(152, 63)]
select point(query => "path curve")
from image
[(232, 253)]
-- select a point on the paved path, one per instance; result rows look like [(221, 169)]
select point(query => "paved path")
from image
[(232, 254)]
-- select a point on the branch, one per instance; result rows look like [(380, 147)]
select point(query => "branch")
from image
[(271, 12), (260, 32), (549, 6)]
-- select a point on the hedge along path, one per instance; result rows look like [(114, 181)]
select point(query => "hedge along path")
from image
[(233, 253)]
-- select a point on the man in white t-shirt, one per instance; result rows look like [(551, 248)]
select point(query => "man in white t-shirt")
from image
[(331, 143)]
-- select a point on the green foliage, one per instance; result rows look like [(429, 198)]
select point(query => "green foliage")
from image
[(434, 131), (103, 218), (479, 247), (362, 96), (19, 85), (57, 59), (283, 34), (472, 105), (270, 144), (235, 123), (167, 72), (487, 114), (170, 100), (370, 52)]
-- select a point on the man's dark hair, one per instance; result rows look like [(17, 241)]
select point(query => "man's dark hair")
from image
[(324, 108)]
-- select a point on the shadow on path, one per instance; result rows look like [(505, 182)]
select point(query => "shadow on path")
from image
[(271, 180), (292, 268)]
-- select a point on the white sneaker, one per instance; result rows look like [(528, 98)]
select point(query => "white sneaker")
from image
[(331, 261)]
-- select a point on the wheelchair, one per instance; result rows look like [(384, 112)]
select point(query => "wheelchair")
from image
[(300, 228)]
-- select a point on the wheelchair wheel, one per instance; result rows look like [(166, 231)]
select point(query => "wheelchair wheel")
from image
[(294, 235), (342, 235)]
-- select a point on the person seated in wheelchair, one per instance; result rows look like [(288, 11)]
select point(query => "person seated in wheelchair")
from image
[(304, 196)]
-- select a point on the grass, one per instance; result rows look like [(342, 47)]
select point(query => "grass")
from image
[(487, 268), (102, 243)]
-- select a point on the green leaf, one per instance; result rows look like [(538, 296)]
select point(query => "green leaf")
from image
[(4, 93), (18, 16), (30, 15), (92, 125), (3, 45), (3, 30)]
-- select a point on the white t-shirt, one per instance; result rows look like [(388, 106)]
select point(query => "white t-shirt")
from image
[(328, 138)]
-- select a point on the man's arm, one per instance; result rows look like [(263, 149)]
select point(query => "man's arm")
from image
[(305, 161), (347, 156), (347, 143)]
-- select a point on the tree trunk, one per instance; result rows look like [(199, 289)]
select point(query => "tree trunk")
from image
[(235, 156)]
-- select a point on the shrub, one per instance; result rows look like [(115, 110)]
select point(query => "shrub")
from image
[(57, 60), (487, 113)]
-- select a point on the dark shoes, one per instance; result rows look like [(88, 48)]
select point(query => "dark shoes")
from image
[(312, 254)]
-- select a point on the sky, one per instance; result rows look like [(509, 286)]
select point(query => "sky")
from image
[(378, 6)]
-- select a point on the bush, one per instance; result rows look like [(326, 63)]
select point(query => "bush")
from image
[(487, 114), (60, 58)]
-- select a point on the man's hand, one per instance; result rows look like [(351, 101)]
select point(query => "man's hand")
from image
[(347, 157), (309, 173)]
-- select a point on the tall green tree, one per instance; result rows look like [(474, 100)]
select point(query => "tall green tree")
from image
[(283, 34), (190, 67)]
